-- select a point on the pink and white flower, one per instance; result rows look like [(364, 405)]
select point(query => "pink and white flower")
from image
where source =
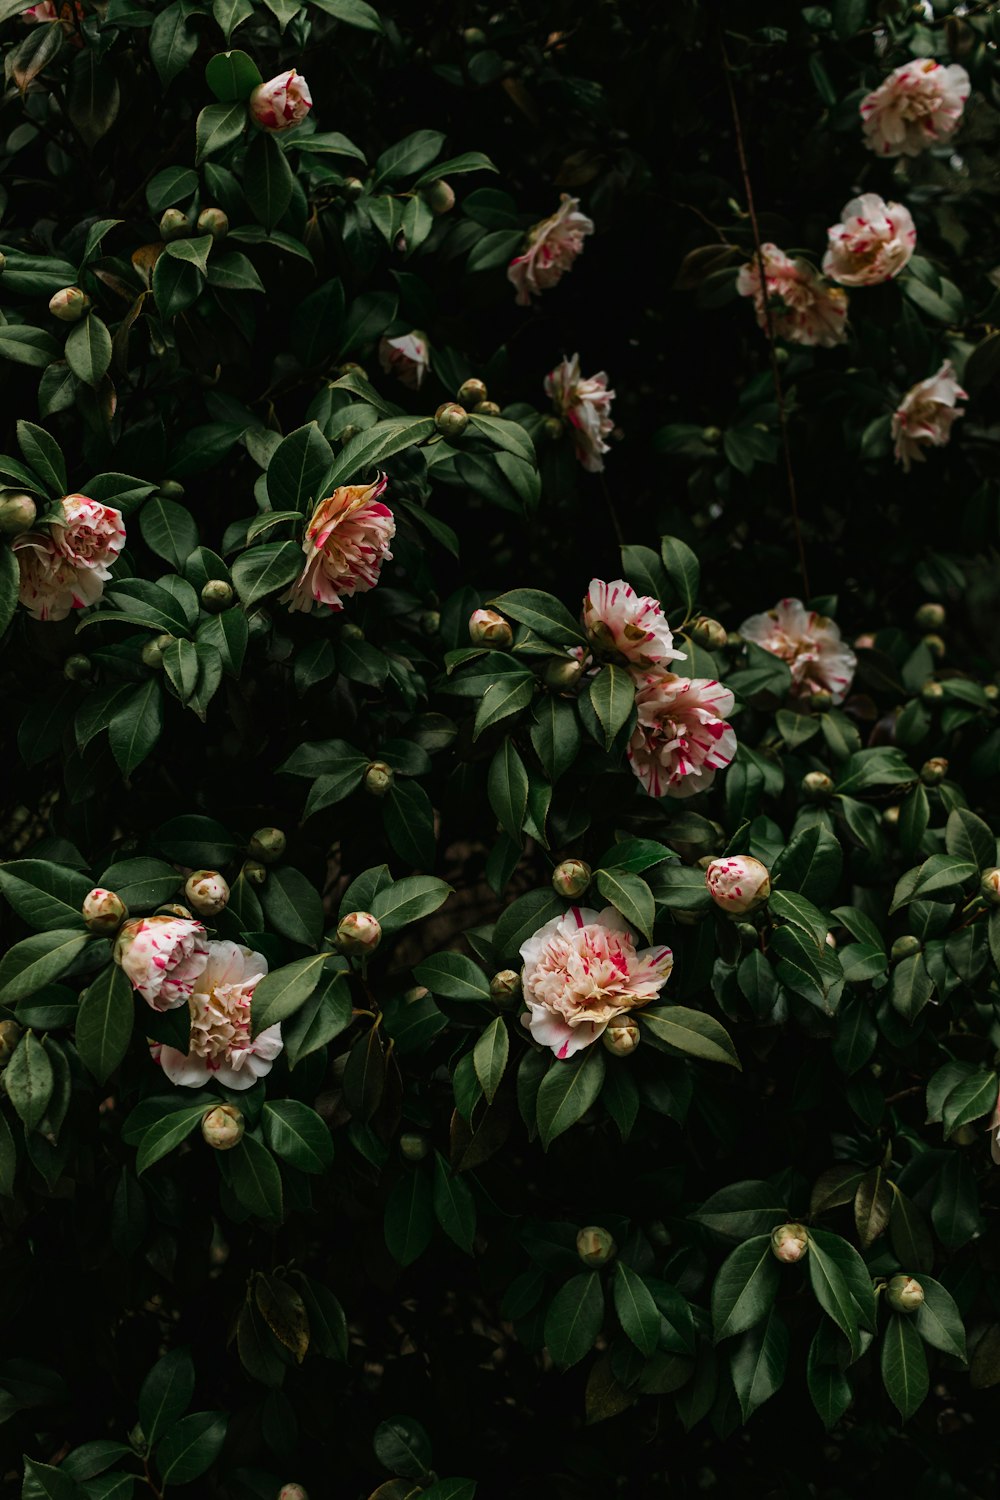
[(221, 1045), (819, 661), (553, 246), (346, 543), (617, 619), (919, 105), (580, 971), (408, 357), (925, 416), (162, 956), (738, 883), (281, 102), (35, 14), (91, 536), (682, 737), (994, 1129), (585, 403), (804, 308), (66, 567), (873, 242)]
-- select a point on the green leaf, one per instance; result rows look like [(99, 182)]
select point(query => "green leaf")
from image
[(683, 570), (292, 906), (166, 1394), (29, 1080), (904, 1365), (489, 1057), (454, 1206), (745, 1286), (263, 570), (284, 991), (255, 1178), (939, 877), (408, 818), (910, 987), (521, 920), (166, 1133), (217, 127), (969, 1100), (758, 1363), (296, 474), (828, 1385), (10, 579), (323, 1016), (631, 896), (37, 960), (353, 13), (966, 836), (567, 1091), (171, 45), (402, 1446), (168, 530), (22, 344), (44, 455), (408, 900), (268, 180), (104, 1022), (543, 614), (507, 788), (908, 1233), (88, 349), (743, 1209), (555, 735), (454, 976), (574, 1320), (232, 75), (692, 1032), (192, 1447), (410, 156), (46, 895), (409, 1218), (636, 1309), (612, 694), (297, 1133), (137, 726), (43, 1482), (938, 1320), (841, 1285)]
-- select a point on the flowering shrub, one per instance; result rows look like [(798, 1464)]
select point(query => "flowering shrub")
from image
[(491, 1002)]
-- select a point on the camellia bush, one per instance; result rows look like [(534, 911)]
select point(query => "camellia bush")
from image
[(500, 896)]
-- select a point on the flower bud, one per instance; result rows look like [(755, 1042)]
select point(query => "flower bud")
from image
[(471, 392), (103, 911), (3, 263), (890, 816), (595, 1246), (358, 932), (206, 892), (171, 489), (17, 512), (352, 188), (267, 845), (487, 628), (352, 632), (77, 668), (69, 304), (989, 886), (292, 1492), (214, 222), (254, 872), (474, 36), (929, 617), (992, 691), (137, 1438), (348, 431), (708, 633), (174, 225), (904, 1294), (821, 701), (505, 987), (451, 419), (571, 878), (553, 427), (415, 993), (152, 651), (216, 595), (932, 692), (621, 1036), (10, 1035), (934, 770), (413, 1146), (563, 672), (904, 947), (430, 621), (378, 778), (738, 884), (439, 196), (936, 646), (712, 436), (865, 641), (486, 409), (222, 1127), (789, 1243), (817, 786)]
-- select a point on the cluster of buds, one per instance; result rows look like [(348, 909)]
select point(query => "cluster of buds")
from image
[(473, 395)]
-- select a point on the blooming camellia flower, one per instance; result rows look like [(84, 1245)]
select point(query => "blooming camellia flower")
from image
[(580, 971), (221, 1045), (408, 357), (281, 102), (738, 884), (585, 403), (919, 105), (872, 243), (45, 11), (682, 736), (925, 415), (346, 542), (804, 308), (553, 246), (162, 956), (819, 661), (66, 567), (616, 618)]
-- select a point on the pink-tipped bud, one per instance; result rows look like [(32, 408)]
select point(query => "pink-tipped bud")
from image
[(571, 878), (69, 304), (174, 225), (103, 911), (281, 102), (595, 1246), (206, 892), (621, 1037), (222, 1127), (904, 1294), (486, 409), (292, 1492), (817, 786), (358, 932), (789, 1243), (487, 628), (738, 883)]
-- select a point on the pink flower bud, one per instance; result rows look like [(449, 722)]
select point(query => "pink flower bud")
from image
[(738, 884), (292, 1492), (222, 1127), (595, 1246), (904, 1294), (206, 892), (487, 628), (622, 1036), (69, 305), (789, 1242), (162, 955), (358, 932), (571, 878), (103, 911), (989, 886), (407, 356), (281, 102)]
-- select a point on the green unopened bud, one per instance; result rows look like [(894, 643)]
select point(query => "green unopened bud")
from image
[(292, 1492), (17, 512), (137, 1439), (595, 1246), (563, 673), (505, 987), (992, 692), (206, 892), (571, 878), (352, 632), (621, 1036), (934, 770), (932, 692), (69, 304), (709, 633), (267, 845), (474, 36), (439, 196), (929, 617), (486, 409), (471, 392), (254, 872), (936, 646), (451, 419), (904, 947), (904, 1294), (214, 222), (359, 932), (10, 1035), (553, 427), (352, 188), (378, 779), (174, 225), (712, 436), (216, 595), (890, 816), (817, 786), (413, 1146), (430, 621), (222, 1127), (77, 668), (152, 651), (789, 1243), (3, 263), (488, 628), (103, 911), (171, 489), (989, 886)]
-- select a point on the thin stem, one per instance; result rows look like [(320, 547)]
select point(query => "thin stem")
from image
[(612, 512), (759, 255)]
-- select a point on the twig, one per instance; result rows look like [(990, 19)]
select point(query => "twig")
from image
[(759, 254)]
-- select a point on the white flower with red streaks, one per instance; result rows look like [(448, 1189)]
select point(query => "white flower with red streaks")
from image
[(162, 957), (580, 971), (616, 618), (919, 105), (804, 308), (408, 357), (553, 246), (346, 543), (819, 661), (66, 567), (221, 1045), (682, 737), (925, 416), (585, 403), (281, 102), (873, 242)]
